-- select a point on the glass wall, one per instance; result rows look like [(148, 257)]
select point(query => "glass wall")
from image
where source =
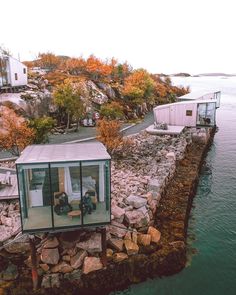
[(35, 197), (3, 71), (63, 195), (66, 190), (206, 114), (96, 192), (217, 97)]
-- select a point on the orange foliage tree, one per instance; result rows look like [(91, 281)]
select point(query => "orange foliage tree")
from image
[(138, 87), (97, 69), (48, 60), (15, 134), (75, 66), (108, 132)]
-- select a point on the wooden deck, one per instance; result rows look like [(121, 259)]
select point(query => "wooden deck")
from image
[(172, 130), (8, 191)]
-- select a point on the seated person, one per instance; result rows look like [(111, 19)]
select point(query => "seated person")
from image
[(87, 204), (62, 206)]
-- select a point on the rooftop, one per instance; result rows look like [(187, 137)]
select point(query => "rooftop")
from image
[(8, 185), (63, 153), (197, 94), (199, 101)]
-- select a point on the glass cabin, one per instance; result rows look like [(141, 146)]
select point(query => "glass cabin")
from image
[(206, 114), (64, 186)]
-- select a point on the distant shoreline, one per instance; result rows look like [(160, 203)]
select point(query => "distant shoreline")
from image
[(186, 75)]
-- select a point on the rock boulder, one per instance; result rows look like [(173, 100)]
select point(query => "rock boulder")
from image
[(91, 264)]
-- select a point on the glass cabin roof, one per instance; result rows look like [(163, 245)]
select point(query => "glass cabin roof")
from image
[(63, 153)]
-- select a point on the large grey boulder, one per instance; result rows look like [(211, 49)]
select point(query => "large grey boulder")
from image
[(136, 218), (51, 243), (154, 185), (107, 89), (91, 264), (93, 245), (50, 256), (117, 229), (136, 201), (116, 244), (118, 213), (77, 260), (96, 95), (19, 246)]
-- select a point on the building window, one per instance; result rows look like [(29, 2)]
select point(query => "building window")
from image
[(16, 76), (189, 113), (24, 70)]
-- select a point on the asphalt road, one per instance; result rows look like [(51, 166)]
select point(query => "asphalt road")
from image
[(85, 133)]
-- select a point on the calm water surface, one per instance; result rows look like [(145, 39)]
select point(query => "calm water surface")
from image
[(212, 227)]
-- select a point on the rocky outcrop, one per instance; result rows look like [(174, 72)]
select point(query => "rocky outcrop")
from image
[(95, 94)]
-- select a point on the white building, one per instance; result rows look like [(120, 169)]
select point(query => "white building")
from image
[(201, 95), (187, 113), (173, 118), (13, 73)]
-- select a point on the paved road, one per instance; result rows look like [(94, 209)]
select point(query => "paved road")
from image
[(147, 121), (88, 132)]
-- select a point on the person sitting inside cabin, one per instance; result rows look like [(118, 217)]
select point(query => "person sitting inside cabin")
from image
[(62, 206), (207, 120), (87, 204)]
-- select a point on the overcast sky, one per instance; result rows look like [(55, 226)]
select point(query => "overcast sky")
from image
[(166, 36)]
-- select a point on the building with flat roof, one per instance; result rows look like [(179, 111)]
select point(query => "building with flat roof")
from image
[(13, 73), (202, 95), (64, 186)]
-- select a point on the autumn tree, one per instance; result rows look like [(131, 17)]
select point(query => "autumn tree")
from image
[(97, 69), (139, 87), (42, 126), (108, 132), (15, 133), (29, 64), (68, 98), (48, 60), (123, 71), (75, 66)]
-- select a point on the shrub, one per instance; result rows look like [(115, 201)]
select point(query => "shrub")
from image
[(112, 111)]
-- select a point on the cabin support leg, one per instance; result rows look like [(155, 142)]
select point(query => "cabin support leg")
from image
[(33, 262), (104, 247)]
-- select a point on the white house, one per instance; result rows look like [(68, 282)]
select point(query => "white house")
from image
[(187, 113), (202, 95), (13, 73), (173, 118)]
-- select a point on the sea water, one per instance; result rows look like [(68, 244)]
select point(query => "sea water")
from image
[(211, 268)]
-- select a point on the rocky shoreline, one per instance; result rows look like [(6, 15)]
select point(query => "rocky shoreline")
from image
[(153, 184)]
